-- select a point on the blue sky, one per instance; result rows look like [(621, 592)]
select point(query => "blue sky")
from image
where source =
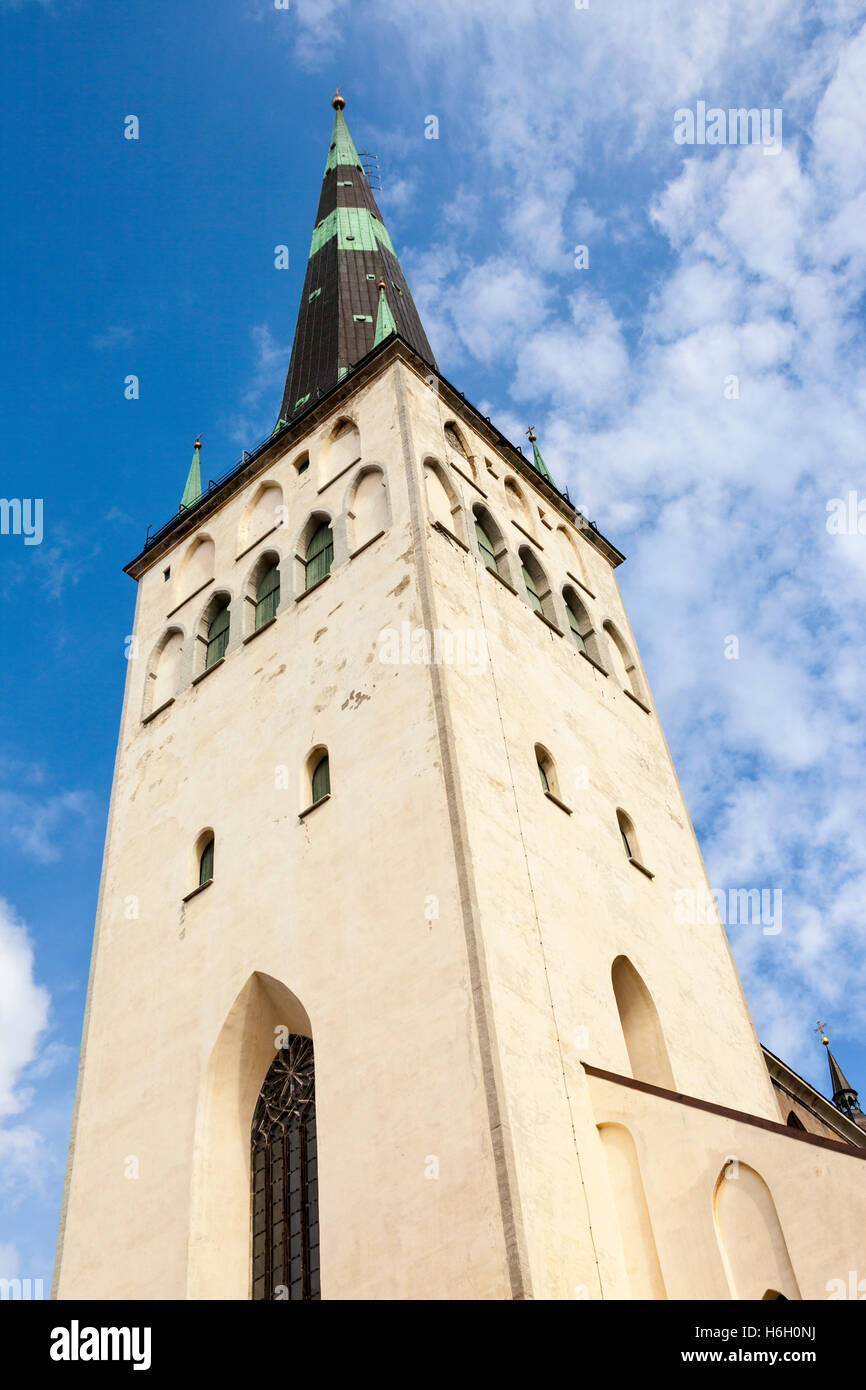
[(156, 257)]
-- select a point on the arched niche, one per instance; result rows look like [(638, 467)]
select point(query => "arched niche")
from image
[(219, 1264), (456, 443), (569, 549), (641, 1028), (197, 566), (442, 500), (621, 660), (164, 671), (751, 1241), (367, 509), (344, 447), (636, 1232), (517, 503), (262, 514)]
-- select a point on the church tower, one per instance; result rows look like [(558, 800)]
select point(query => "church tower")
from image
[(404, 984)]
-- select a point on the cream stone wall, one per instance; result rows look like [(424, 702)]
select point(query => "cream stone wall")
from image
[(444, 930)]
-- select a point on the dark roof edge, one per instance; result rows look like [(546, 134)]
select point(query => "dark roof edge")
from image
[(261, 457)]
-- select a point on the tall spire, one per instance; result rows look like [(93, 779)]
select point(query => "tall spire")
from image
[(537, 461), (192, 491), (844, 1095), (350, 254)]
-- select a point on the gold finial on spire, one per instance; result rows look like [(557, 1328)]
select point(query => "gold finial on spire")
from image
[(531, 433), (197, 444), (820, 1029), (337, 101), (381, 285)]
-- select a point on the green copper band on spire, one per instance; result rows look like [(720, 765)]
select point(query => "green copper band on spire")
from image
[(342, 151), (385, 324), (356, 229), (192, 491)]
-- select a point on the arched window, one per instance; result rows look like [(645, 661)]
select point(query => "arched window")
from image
[(205, 863), (644, 1040), (627, 832), (217, 637), (285, 1185), (574, 626), (546, 770), (321, 780), (485, 546), (794, 1122), (531, 585), (536, 583), (267, 596), (517, 503), (320, 554), (580, 626)]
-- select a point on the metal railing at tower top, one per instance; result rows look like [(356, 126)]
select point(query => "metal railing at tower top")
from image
[(249, 455)]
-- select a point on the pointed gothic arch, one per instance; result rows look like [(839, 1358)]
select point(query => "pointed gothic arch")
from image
[(641, 1028), (751, 1240), (263, 1015)]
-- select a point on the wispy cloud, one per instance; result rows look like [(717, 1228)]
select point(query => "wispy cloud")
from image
[(113, 337), (248, 426)]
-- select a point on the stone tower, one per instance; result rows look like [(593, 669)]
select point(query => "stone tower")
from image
[(393, 994)]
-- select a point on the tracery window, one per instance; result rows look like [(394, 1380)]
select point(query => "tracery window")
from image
[(285, 1188)]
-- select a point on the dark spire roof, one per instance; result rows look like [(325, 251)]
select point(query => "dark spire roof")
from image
[(844, 1095), (340, 302)]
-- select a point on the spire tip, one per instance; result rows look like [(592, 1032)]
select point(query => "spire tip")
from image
[(337, 101)]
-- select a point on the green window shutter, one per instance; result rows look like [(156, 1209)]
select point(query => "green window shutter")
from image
[(268, 597), (543, 775), (217, 638), (531, 589), (321, 779), (205, 867), (486, 548), (575, 628), (320, 555)]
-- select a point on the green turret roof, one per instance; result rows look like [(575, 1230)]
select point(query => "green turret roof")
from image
[(537, 461), (192, 491), (385, 324)]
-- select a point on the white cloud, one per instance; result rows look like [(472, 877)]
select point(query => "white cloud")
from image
[(23, 1018)]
